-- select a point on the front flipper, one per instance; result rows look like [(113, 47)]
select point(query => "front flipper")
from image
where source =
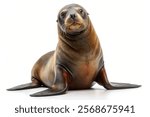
[(103, 80), (34, 84), (49, 92), (60, 86)]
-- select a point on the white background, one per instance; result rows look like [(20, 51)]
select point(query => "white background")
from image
[(28, 29)]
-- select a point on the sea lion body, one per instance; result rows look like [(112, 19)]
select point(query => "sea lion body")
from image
[(77, 61), (87, 61)]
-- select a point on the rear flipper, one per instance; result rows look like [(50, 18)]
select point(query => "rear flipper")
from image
[(34, 84), (24, 86), (102, 80)]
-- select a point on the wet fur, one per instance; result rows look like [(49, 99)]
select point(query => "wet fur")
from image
[(77, 61)]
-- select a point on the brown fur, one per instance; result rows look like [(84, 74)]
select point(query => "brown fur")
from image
[(77, 61)]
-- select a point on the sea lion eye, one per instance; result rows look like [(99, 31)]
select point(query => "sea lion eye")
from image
[(81, 11), (63, 14)]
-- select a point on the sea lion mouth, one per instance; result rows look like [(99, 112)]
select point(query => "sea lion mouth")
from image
[(75, 29), (75, 26)]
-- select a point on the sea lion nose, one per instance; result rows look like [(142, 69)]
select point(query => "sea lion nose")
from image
[(72, 16)]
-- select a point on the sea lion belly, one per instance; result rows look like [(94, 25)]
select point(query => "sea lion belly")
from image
[(84, 74)]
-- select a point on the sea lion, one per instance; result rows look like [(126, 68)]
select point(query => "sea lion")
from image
[(77, 61)]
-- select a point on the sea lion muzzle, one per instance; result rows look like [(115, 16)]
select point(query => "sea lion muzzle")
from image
[(73, 16)]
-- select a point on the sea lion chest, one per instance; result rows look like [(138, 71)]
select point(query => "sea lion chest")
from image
[(82, 73), (83, 65)]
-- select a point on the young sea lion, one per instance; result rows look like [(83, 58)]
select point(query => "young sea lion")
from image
[(77, 61)]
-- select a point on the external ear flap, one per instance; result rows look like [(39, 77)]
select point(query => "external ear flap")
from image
[(57, 20)]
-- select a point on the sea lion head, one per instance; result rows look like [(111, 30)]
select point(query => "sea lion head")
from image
[(73, 19)]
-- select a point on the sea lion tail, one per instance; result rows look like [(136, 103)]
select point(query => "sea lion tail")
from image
[(24, 86)]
